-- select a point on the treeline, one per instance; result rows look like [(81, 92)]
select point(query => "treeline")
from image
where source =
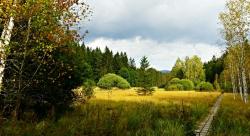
[(92, 64), (190, 74), (215, 72)]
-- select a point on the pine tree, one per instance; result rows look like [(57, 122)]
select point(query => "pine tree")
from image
[(132, 63), (144, 78), (144, 64)]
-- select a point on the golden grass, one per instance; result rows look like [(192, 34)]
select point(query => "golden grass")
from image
[(123, 112), (159, 96)]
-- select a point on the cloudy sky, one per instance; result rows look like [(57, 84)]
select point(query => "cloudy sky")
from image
[(162, 30)]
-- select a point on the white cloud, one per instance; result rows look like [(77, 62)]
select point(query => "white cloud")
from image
[(162, 55), (162, 20), (170, 28)]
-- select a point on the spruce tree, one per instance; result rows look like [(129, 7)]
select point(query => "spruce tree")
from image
[(145, 78)]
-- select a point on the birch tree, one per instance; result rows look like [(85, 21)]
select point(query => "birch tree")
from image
[(5, 10), (194, 69), (178, 69), (235, 23)]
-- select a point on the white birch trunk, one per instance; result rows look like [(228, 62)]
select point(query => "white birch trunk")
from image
[(240, 85), (245, 88), (233, 81), (5, 41)]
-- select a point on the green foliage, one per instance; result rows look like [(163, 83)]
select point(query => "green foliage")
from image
[(187, 84), (174, 81), (205, 86), (88, 87), (132, 63), (194, 69), (144, 63), (178, 69), (120, 60), (112, 80), (47, 84), (175, 87), (227, 86), (124, 72), (145, 79), (85, 92), (134, 75), (177, 84), (214, 67), (93, 64), (191, 68), (216, 84), (232, 118), (36, 78), (102, 63)]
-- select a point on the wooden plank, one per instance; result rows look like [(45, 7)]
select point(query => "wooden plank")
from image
[(204, 126)]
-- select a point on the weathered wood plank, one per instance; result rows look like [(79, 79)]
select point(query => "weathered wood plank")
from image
[(204, 126)]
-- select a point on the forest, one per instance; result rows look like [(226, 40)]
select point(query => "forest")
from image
[(52, 83)]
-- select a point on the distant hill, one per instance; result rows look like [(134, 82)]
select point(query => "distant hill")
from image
[(165, 71)]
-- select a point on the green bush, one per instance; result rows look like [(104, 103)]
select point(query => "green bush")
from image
[(88, 87), (205, 86), (175, 87), (112, 80), (187, 84), (177, 84), (174, 81)]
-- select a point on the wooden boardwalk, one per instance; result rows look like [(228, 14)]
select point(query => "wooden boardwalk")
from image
[(204, 126)]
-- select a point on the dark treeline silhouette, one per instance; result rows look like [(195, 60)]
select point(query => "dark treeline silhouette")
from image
[(94, 63)]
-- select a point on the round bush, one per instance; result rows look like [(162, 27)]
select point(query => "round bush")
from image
[(175, 87), (174, 81), (205, 86), (112, 80), (187, 84), (178, 84)]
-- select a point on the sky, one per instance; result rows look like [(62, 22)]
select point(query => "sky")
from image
[(162, 30)]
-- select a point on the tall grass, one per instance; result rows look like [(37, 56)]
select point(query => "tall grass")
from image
[(124, 113), (233, 118)]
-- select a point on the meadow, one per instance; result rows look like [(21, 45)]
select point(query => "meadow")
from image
[(123, 112), (233, 118)]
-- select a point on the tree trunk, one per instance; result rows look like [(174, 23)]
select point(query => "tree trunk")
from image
[(6, 35), (245, 88), (240, 84), (233, 80)]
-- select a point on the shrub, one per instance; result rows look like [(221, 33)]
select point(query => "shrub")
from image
[(175, 87), (84, 93), (177, 84), (174, 81), (187, 84), (112, 80), (205, 86), (88, 87), (145, 91), (123, 84)]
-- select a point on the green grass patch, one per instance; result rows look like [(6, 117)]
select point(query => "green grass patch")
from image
[(233, 118)]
